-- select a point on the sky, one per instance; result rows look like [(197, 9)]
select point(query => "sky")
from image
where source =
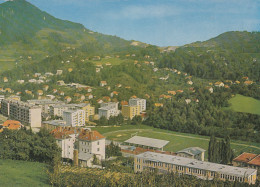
[(158, 22)]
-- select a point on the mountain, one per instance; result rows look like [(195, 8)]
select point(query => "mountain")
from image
[(25, 31), (235, 41)]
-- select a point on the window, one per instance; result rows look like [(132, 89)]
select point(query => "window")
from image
[(97, 149), (98, 143)]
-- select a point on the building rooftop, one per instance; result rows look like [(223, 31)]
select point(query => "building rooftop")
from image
[(249, 158), (90, 135), (192, 163), (192, 151), (150, 142)]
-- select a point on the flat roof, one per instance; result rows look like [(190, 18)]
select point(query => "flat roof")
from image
[(150, 142), (192, 150), (196, 164)]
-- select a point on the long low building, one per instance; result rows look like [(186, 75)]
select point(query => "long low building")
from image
[(149, 143), (203, 170)]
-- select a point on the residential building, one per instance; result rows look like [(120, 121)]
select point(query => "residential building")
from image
[(193, 153), (138, 102), (249, 160), (53, 124), (204, 170), (103, 83), (45, 104), (23, 112), (65, 138), (108, 109), (74, 117), (90, 143), (130, 111), (12, 125), (2, 97)]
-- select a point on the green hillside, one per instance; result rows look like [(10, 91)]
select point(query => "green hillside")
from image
[(241, 103), (22, 173)]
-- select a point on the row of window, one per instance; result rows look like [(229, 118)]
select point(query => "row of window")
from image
[(233, 178)]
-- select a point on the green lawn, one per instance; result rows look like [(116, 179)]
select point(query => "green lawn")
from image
[(22, 173), (241, 103), (6, 65), (177, 140)]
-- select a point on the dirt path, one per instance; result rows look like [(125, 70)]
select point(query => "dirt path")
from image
[(191, 137)]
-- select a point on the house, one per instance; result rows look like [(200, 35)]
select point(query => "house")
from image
[(188, 101), (103, 83), (89, 96), (158, 104), (9, 90), (48, 74), (18, 93), (248, 160), (190, 82), (119, 85), (147, 96), (106, 99), (245, 78), (5, 79), (45, 87), (28, 92), (180, 91), (32, 81), (99, 101), (40, 92), (70, 70), (90, 143), (165, 96), (219, 84), (67, 99), (127, 87), (248, 82), (61, 93), (172, 92), (12, 125), (193, 153), (89, 89), (237, 82), (138, 102), (96, 58), (54, 91), (20, 81), (97, 70), (41, 81), (37, 74), (210, 89), (61, 83), (59, 72), (114, 93)]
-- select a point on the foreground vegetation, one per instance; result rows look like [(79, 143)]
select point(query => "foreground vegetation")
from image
[(23, 173)]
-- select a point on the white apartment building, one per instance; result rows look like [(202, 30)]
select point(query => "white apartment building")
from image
[(90, 143), (23, 112), (57, 110), (138, 102), (108, 109), (2, 97), (45, 104), (74, 117)]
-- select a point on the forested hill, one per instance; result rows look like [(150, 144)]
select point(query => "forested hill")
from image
[(26, 29), (231, 55)]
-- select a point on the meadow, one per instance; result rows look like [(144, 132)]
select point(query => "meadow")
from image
[(177, 141), (240, 103), (22, 173)]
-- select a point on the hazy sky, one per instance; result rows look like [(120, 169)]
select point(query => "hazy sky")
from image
[(159, 22)]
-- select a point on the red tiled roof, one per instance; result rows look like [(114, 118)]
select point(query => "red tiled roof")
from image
[(245, 157), (60, 133), (90, 135), (11, 122), (255, 161)]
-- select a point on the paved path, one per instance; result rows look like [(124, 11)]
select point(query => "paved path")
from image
[(179, 135)]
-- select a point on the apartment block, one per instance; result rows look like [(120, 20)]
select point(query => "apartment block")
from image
[(138, 102), (108, 109), (45, 104), (23, 112), (74, 117), (130, 111), (204, 170)]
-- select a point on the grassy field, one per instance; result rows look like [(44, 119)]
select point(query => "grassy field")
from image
[(241, 103), (177, 140), (6, 65), (21, 173)]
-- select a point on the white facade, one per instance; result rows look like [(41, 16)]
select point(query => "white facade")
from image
[(67, 146), (74, 117), (138, 102), (23, 112), (108, 109), (2, 97)]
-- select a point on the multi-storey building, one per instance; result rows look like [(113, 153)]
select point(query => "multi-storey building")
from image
[(108, 109), (74, 117), (90, 143), (138, 102), (58, 110), (2, 97), (130, 111), (205, 170), (45, 104), (65, 138), (23, 112)]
